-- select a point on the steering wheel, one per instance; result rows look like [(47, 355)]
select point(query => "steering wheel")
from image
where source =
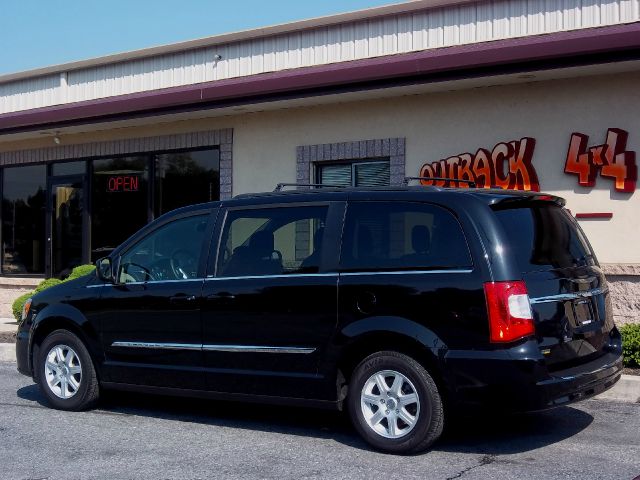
[(149, 275), (183, 264)]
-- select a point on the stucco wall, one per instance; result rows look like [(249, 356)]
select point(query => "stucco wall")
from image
[(440, 125)]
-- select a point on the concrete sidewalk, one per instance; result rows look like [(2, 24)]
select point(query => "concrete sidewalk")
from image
[(8, 325)]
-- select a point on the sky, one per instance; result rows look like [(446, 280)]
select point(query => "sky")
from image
[(39, 33)]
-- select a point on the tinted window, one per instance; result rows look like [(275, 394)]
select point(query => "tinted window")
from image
[(69, 168), (402, 235), (23, 219), (186, 178), (272, 241), (119, 201), (543, 237), (172, 252)]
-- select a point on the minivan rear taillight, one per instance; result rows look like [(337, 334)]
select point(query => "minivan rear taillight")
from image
[(510, 316)]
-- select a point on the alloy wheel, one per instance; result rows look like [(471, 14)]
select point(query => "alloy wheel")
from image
[(390, 404), (63, 371)]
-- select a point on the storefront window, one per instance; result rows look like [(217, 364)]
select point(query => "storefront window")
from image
[(23, 219), (186, 178), (119, 201), (69, 168)]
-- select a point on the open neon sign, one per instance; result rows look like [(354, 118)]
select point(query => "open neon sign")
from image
[(123, 183)]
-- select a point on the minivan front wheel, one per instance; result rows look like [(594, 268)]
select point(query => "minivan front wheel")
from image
[(394, 403), (65, 372)]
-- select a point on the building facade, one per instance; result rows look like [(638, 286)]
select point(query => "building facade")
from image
[(520, 94)]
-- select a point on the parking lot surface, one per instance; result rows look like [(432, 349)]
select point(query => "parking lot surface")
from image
[(139, 436)]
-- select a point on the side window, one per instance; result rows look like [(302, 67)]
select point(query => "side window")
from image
[(272, 241), (402, 235), (172, 252)]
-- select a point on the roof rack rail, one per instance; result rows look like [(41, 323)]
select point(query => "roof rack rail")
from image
[(471, 183), (280, 186)]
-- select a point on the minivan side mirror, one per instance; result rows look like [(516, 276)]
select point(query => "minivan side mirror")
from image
[(104, 270)]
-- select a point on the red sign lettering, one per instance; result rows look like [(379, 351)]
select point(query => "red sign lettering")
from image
[(123, 183), (610, 159), (508, 165)]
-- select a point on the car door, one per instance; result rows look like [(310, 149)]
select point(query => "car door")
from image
[(270, 308), (406, 265), (151, 326)]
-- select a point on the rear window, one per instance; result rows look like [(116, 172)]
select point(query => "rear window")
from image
[(544, 237), (400, 236)]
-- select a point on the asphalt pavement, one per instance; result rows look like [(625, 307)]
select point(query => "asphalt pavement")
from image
[(148, 437)]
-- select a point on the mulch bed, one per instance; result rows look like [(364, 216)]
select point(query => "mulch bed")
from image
[(7, 337), (631, 371)]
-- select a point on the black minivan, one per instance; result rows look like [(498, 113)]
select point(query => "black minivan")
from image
[(397, 304)]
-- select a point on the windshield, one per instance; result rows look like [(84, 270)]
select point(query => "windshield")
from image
[(545, 236)]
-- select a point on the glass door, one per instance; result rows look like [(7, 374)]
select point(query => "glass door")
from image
[(66, 225)]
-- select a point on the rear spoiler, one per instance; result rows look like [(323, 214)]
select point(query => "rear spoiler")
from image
[(524, 200)]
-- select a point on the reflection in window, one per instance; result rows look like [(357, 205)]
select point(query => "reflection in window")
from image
[(186, 178), (23, 219), (69, 168), (544, 237), (272, 241), (119, 202), (172, 252), (402, 235)]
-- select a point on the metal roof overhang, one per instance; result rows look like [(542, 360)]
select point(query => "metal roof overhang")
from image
[(558, 50)]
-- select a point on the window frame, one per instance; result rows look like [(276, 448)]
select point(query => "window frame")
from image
[(353, 163), (371, 270), (330, 242)]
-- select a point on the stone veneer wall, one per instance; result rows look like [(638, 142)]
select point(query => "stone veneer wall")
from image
[(624, 284)]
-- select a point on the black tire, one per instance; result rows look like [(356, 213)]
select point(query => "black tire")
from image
[(87, 393), (430, 421)]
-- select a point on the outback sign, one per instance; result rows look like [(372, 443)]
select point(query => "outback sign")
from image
[(509, 164)]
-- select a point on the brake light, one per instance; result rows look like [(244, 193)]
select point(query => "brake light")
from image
[(510, 316)]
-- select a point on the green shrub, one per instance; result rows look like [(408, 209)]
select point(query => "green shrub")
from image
[(631, 344), (80, 271), (18, 303), (48, 283), (77, 272)]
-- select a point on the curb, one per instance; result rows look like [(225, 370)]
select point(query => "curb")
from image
[(626, 390)]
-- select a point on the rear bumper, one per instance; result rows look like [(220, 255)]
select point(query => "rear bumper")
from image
[(581, 382), (501, 381)]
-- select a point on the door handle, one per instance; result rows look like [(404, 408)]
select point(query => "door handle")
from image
[(182, 299)]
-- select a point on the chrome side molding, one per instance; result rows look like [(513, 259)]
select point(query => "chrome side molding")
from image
[(214, 348), (162, 346), (256, 349)]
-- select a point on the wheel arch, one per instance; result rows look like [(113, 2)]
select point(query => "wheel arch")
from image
[(62, 317), (377, 334)]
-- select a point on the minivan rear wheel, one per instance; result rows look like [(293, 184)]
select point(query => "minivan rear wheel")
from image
[(394, 403), (65, 373)]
